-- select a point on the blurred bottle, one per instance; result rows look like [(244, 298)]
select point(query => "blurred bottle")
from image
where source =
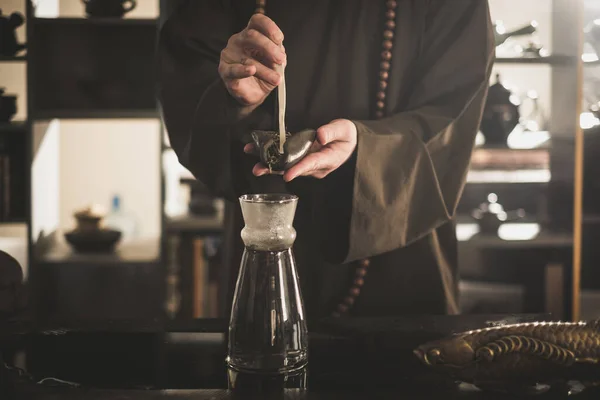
[(119, 219)]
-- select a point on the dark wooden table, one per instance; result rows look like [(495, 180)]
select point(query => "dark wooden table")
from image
[(545, 262), (350, 359), (370, 394)]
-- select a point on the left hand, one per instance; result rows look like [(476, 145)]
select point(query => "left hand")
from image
[(334, 144)]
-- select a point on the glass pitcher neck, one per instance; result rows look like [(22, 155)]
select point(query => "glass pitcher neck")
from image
[(268, 221)]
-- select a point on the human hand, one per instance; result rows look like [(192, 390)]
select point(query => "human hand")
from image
[(247, 64), (334, 144)]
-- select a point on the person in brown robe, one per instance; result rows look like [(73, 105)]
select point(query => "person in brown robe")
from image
[(393, 200)]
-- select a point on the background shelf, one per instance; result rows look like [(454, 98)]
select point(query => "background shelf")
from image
[(84, 68), (13, 172), (550, 60), (14, 127), (97, 114), (58, 252), (504, 158), (13, 58), (113, 22), (195, 224)]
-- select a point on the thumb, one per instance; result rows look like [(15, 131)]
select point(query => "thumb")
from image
[(327, 134)]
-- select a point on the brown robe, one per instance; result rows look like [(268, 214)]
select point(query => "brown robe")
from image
[(395, 199)]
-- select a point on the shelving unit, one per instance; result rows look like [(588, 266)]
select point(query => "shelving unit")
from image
[(541, 179), (12, 169), (13, 58), (13, 145), (550, 60), (82, 69)]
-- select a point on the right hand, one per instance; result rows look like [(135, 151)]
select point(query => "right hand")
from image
[(247, 65)]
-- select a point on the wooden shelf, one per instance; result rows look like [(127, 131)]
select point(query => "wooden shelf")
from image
[(96, 21), (93, 69), (14, 220), (549, 60), (95, 114), (120, 285), (140, 252), (13, 58), (13, 126), (27, 326), (198, 225), (13, 149), (544, 239), (504, 158), (509, 176), (590, 219)]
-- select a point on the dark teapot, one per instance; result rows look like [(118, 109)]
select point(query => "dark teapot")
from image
[(8, 106), (295, 148), (491, 215), (9, 45), (108, 8), (500, 115)]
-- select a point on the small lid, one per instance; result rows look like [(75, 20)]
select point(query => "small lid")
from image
[(93, 211), (498, 93), (498, 85)]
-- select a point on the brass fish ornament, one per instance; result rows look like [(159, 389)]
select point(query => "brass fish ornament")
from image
[(519, 355)]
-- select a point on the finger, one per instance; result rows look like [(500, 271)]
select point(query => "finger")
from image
[(267, 27), (258, 46), (260, 170), (329, 133), (266, 74), (310, 164), (233, 56), (249, 148), (236, 71)]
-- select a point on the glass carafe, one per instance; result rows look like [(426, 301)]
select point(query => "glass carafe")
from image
[(267, 329)]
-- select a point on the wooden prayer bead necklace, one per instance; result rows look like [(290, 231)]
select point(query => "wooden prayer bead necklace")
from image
[(384, 68)]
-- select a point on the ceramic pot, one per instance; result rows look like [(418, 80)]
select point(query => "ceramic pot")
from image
[(8, 106), (108, 8)]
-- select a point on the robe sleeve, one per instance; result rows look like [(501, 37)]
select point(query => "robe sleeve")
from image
[(409, 169), (204, 123)]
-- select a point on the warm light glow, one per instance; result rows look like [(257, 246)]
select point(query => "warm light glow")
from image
[(465, 232), (518, 231), (500, 28), (495, 208), (588, 120), (516, 100), (510, 231), (505, 176), (479, 139), (520, 139)]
